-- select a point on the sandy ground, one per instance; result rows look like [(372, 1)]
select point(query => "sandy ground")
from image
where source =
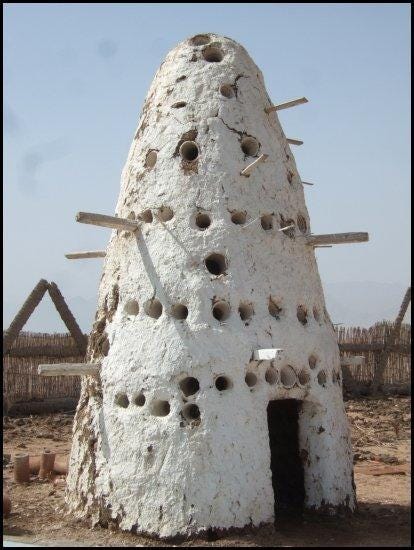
[(381, 439)]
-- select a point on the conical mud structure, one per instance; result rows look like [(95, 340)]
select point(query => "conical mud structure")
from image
[(213, 396)]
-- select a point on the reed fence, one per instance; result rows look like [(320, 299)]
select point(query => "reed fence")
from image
[(21, 382), (374, 344)]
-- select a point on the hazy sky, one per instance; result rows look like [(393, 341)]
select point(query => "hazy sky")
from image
[(75, 77)]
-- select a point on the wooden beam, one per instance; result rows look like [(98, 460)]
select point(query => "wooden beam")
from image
[(294, 141), (48, 350), (247, 171), (69, 369), (286, 105), (84, 255), (404, 349), (107, 221), (23, 314), (306, 183), (68, 318), (337, 238)]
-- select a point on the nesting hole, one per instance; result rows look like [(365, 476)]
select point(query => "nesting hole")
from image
[(212, 54), (303, 377), (189, 386), (316, 314), (146, 216), (121, 399), (179, 105), (301, 223), (288, 232), (179, 311), (249, 146), (227, 90), (246, 311), (160, 408), (191, 412), (288, 376), (151, 159), (322, 378), (153, 308), (239, 218), (139, 399), (271, 376), (189, 150), (165, 213), (221, 311), (313, 361), (131, 307), (200, 39), (223, 383), (267, 222), (202, 220), (302, 315), (181, 78), (274, 308), (216, 264), (250, 379)]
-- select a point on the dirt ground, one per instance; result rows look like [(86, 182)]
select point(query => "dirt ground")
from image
[(381, 440)]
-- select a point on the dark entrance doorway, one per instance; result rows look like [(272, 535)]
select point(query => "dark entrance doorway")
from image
[(286, 464)]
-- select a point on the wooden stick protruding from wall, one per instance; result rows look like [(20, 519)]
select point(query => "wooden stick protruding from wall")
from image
[(337, 238), (85, 255), (248, 170), (69, 369), (107, 221), (294, 141), (286, 105)]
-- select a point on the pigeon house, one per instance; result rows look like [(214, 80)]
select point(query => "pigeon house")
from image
[(211, 398)]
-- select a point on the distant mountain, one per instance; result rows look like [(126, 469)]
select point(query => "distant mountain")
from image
[(354, 303), (364, 303)]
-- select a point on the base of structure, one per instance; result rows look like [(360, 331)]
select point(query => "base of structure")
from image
[(216, 533)]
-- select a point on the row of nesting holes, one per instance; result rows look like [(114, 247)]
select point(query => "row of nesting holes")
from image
[(289, 378), (221, 310), (238, 217), (189, 150), (190, 386)]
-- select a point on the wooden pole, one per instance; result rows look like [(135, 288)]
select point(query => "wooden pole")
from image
[(69, 369), (390, 344), (84, 255), (294, 141), (23, 314), (337, 238), (247, 171), (67, 317), (286, 105), (107, 221), (306, 183)]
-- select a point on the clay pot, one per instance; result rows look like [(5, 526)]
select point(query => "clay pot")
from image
[(47, 461), (61, 467), (21, 468), (6, 505)]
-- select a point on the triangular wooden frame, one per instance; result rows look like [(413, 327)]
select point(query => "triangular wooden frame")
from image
[(32, 301)]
